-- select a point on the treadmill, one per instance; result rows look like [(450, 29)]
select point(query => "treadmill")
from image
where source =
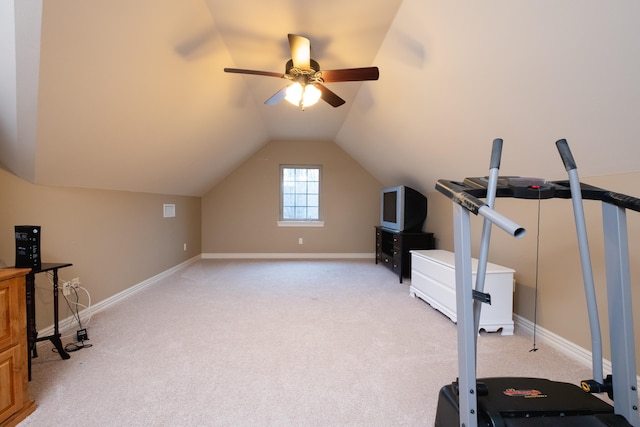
[(521, 401)]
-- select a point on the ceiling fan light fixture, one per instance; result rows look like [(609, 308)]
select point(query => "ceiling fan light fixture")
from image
[(307, 79), (302, 96), (294, 93), (310, 96)]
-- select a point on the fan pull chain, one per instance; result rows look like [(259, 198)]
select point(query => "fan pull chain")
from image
[(535, 298)]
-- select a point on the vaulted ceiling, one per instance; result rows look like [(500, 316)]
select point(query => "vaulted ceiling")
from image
[(131, 95)]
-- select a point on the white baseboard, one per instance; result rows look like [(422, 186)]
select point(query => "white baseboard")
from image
[(102, 305), (568, 348), (296, 255)]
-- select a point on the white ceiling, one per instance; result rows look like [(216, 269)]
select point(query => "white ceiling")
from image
[(131, 95)]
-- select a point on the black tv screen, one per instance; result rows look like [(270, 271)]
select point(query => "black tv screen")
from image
[(403, 209), (389, 203)]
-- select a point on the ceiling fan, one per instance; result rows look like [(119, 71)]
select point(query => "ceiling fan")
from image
[(307, 77)]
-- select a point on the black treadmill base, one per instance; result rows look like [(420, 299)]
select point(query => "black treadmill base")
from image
[(525, 402)]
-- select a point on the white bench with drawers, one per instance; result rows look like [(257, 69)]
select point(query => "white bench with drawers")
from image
[(433, 280)]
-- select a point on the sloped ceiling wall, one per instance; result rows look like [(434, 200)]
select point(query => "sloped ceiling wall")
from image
[(459, 74), (122, 109), (131, 95)]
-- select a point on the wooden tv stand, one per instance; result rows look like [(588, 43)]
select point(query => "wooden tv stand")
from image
[(393, 249)]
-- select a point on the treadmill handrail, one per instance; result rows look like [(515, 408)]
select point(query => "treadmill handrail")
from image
[(478, 207), (472, 195)]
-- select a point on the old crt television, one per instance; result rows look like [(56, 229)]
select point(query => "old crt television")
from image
[(403, 209)]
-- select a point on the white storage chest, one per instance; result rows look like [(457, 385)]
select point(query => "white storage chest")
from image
[(433, 280)]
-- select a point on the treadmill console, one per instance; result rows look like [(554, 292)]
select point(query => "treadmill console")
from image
[(517, 187)]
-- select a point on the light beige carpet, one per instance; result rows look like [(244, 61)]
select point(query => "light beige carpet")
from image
[(271, 343)]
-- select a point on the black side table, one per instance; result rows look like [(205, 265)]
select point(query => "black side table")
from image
[(32, 332)]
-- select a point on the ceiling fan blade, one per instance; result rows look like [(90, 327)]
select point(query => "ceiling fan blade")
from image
[(254, 72), (277, 97), (351, 74), (329, 97), (300, 51)]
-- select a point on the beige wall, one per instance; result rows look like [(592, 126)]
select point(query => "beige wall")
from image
[(114, 239), (561, 301), (240, 214), (118, 239)]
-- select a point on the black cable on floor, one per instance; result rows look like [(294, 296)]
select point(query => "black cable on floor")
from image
[(75, 346)]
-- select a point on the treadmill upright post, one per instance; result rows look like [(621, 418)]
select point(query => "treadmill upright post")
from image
[(585, 259), (492, 184), (467, 386), (623, 363), (468, 400)]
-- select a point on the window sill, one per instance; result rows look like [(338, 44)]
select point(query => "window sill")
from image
[(300, 223)]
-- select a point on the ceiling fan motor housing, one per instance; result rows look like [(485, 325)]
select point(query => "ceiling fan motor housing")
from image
[(303, 76)]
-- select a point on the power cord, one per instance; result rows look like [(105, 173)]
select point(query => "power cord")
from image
[(74, 307), (82, 332), (535, 299), (73, 346)]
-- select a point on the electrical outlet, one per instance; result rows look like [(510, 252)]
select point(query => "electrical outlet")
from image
[(66, 288), (300, 240), (75, 282)]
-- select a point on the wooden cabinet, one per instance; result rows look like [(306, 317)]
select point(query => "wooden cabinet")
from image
[(393, 249), (434, 280), (15, 404)]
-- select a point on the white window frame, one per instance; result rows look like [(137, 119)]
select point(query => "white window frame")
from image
[(293, 222)]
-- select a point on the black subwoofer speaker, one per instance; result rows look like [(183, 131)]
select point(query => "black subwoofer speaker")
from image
[(28, 246)]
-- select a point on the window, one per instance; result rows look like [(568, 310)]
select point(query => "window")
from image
[(299, 195)]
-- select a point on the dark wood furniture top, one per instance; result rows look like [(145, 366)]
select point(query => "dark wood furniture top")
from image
[(393, 249)]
